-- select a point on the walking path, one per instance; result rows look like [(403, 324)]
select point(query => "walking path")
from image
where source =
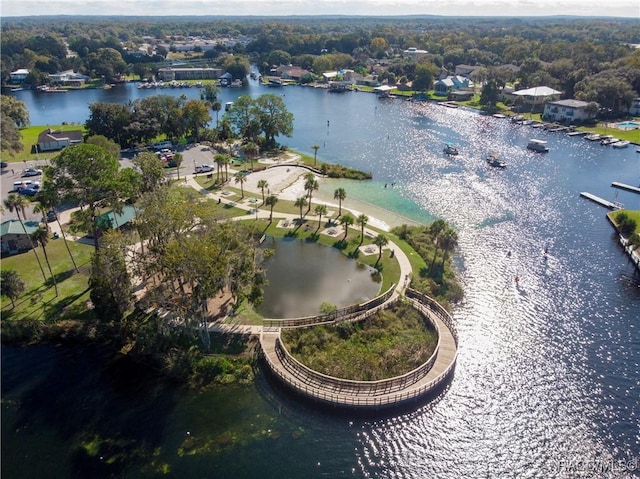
[(319, 387), (365, 394)]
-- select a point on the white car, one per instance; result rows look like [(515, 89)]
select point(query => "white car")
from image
[(31, 172), (204, 168)]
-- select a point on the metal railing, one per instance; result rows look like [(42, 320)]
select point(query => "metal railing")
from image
[(368, 394), (342, 314)]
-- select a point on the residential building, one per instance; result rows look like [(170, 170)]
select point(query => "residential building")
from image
[(53, 140), (13, 239), (416, 53), (69, 78), (466, 70), (369, 80), (533, 99), (290, 72), (446, 85), (634, 109), (19, 75), (567, 111)]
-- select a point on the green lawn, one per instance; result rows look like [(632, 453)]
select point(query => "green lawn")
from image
[(39, 300), (30, 138), (633, 214)]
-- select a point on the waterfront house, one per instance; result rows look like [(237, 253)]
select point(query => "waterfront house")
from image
[(445, 85), (369, 80), (329, 76), (290, 72), (54, 140), (19, 75), (13, 239), (69, 78), (567, 111), (634, 109), (533, 99)]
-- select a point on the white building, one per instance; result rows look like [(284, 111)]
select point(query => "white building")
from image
[(19, 75), (69, 78), (567, 111)]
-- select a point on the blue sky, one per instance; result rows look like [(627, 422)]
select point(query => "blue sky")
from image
[(620, 8)]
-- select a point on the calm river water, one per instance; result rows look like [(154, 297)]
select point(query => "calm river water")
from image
[(548, 371)]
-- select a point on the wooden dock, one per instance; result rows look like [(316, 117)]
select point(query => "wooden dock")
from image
[(601, 201), (368, 394), (622, 186)]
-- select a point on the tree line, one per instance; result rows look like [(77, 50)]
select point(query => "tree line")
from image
[(256, 120), (587, 59)]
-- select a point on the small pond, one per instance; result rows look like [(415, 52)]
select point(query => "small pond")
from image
[(302, 275)]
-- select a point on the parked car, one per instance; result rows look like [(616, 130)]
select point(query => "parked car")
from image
[(3, 164), (19, 185), (28, 191), (31, 172)]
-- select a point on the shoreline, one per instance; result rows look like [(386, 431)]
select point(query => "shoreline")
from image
[(288, 184)]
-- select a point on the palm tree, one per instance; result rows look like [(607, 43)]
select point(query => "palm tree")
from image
[(449, 242), (320, 210), (240, 177), (436, 228), (310, 185), (219, 161), (216, 106), (340, 194), (347, 220), (362, 220), (251, 151), (380, 241), (226, 161), (300, 203), (315, 153), (262, 184), (41, 237), (48, 199), (14, 202), (271, 202)]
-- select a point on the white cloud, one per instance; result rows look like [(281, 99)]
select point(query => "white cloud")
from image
[(621, 8)]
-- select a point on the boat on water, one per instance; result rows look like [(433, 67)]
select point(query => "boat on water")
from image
[(621, 144), (538, 145), (608, 140), (495, 161), (593, 137), (450, 149)]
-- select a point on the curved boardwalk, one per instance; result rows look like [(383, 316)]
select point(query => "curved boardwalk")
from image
[(369, 394)]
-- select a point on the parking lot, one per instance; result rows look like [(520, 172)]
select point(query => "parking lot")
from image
[(194, 156)]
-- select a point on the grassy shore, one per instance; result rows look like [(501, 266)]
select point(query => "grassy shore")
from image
[(30, 138)]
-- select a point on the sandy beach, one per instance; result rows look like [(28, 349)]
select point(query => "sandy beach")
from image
[(286, 181)]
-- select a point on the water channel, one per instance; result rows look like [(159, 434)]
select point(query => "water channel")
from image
[(548, 369)]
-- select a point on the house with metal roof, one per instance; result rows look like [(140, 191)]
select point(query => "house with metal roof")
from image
[(567, 111), (19, 75), (15, 236), (534, 99), (451, 83)]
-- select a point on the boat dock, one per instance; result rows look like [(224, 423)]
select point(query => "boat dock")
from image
[(601, 201), (622, 186)]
